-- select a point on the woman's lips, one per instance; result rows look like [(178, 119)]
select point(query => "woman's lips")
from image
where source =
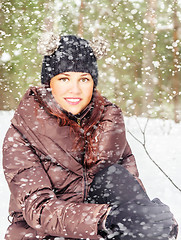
[(73, 101)]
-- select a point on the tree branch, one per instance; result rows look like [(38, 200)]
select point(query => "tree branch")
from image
[(143, 131)]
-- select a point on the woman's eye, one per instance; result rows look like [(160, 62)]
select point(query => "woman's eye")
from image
[(63, 79), (84, 79)]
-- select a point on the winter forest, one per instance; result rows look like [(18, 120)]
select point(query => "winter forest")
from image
[(142, 66), (141, 73)]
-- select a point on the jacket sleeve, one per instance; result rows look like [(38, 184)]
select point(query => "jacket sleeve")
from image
[(30, 186), (112, 145)]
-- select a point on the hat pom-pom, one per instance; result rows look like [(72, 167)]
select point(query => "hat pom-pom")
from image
[(99, 46), (48, 43)]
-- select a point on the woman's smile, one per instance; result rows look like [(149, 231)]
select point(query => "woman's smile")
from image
[(72, 90), (73, 101)]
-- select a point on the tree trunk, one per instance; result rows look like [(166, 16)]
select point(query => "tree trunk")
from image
[(80, 26), (49, 21), (148, 69), (175, 80)]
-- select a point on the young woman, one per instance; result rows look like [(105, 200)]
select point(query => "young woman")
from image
[(68, 164)]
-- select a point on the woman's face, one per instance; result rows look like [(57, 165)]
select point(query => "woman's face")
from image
[(72, 90)]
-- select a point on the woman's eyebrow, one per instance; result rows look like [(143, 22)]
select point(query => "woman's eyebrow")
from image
[(85, 74), (65, 74)]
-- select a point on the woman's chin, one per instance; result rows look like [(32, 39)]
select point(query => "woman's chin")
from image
[(73, 111)]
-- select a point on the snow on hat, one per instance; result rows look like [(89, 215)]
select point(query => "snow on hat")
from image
[(66, 54)]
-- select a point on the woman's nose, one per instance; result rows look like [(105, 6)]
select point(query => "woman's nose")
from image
[(75, 88)]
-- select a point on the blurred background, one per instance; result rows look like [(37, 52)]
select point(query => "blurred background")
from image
[(141, 72)]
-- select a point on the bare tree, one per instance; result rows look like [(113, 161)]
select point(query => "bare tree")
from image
[(143, 143)]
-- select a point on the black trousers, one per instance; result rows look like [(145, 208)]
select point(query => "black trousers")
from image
[(115, 185)]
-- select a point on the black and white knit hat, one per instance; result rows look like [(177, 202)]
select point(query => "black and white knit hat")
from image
[(66, 54)]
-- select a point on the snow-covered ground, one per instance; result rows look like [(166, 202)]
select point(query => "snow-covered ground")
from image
[(163, 139)]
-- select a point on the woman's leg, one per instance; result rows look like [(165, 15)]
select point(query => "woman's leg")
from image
[(131, 206), (115, 185)]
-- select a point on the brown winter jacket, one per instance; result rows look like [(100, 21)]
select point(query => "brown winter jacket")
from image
[(48, 176)]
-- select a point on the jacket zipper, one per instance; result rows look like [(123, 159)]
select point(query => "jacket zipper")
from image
[(84, 169), (84, 173), (85, 182), (78, 121)]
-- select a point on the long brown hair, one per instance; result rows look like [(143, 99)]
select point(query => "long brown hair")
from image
[(90, 122)]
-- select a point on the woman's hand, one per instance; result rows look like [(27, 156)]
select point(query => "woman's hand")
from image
[(140, 219)]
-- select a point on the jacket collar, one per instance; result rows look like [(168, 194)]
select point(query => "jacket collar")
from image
[(50, 103), (80, 116)]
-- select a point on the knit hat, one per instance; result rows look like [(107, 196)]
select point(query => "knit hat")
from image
[(71, 54)]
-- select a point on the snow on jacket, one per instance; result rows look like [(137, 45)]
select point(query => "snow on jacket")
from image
[(47, 178)]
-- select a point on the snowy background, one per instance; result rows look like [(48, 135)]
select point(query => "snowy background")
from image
[(163, 140)]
